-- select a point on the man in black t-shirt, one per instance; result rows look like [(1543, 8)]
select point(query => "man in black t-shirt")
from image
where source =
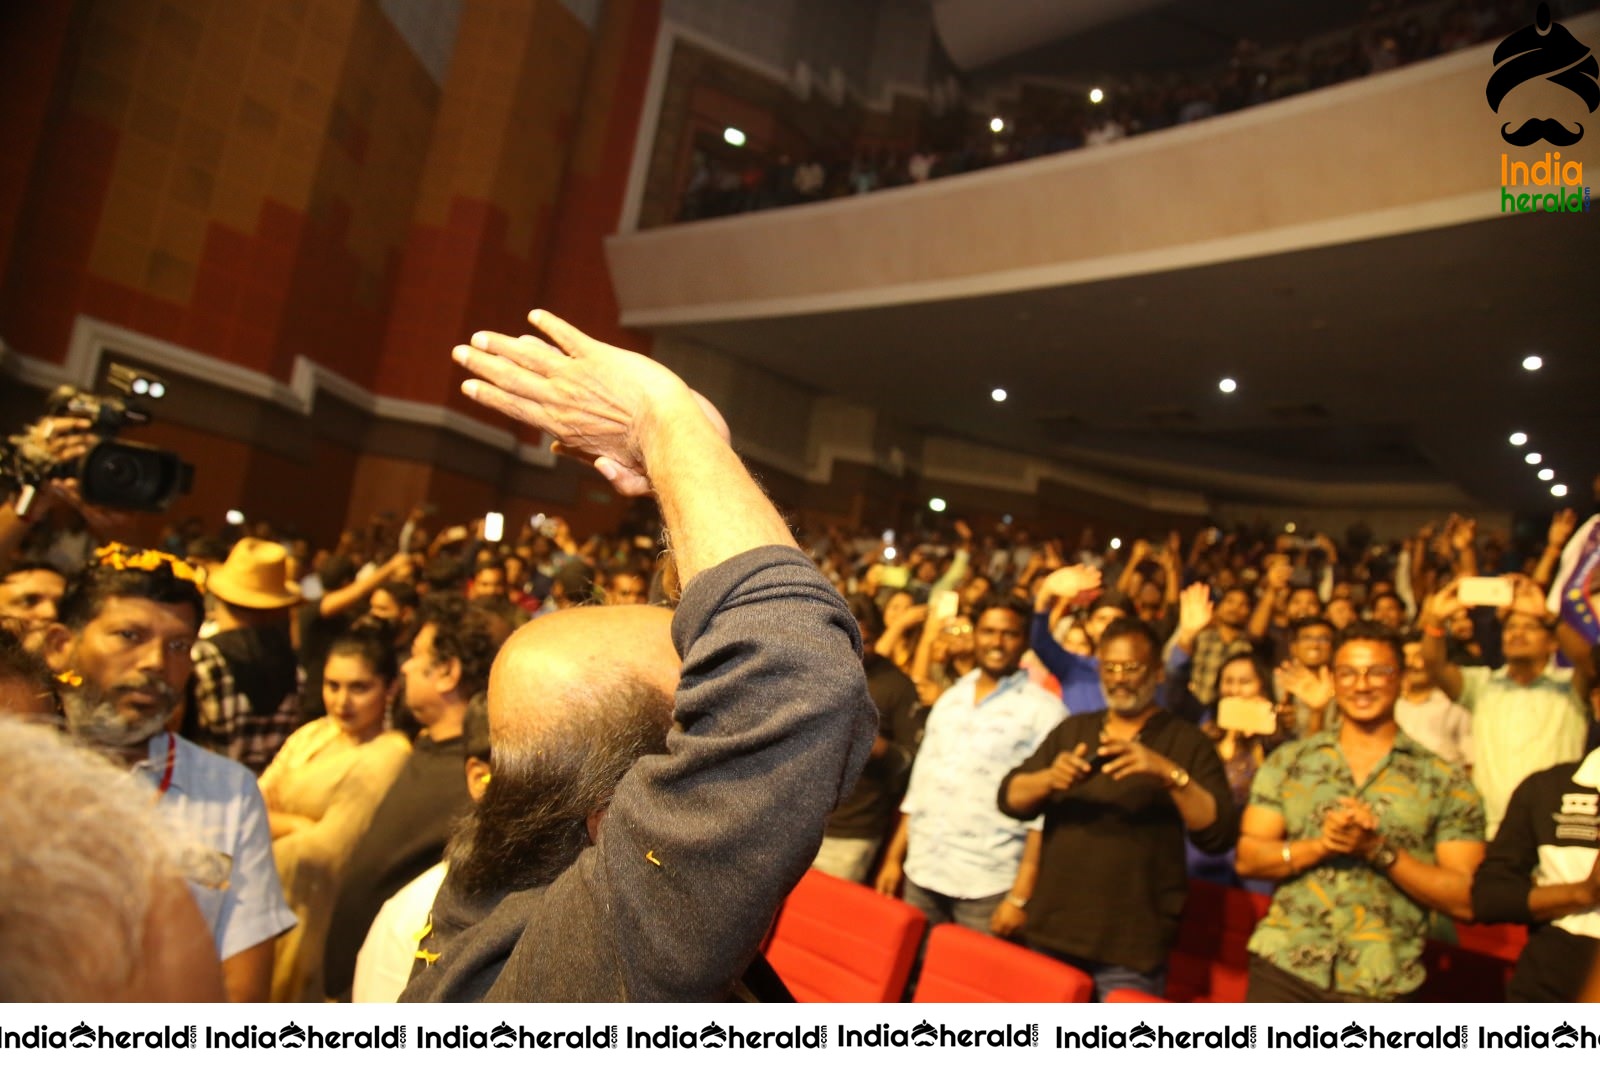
[(1118, 790)]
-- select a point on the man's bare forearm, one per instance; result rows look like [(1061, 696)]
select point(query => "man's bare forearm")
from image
[(711, 505)]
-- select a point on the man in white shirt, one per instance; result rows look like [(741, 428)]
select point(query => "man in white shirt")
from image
[(959, 857)]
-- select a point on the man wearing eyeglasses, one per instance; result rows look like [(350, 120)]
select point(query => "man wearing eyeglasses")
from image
[(1366, 831), (1119, 790)]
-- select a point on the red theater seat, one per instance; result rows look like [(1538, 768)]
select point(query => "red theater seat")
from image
[(1134, 996), (839, 942), (1210, 961), (964, 966)]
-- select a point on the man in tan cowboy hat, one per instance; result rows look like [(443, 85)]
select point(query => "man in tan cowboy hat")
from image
[(244, 701)]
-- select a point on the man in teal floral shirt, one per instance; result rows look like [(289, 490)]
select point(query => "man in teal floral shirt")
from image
[(1366, 832)]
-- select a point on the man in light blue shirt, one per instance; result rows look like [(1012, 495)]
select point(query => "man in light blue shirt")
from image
[(960, 859)]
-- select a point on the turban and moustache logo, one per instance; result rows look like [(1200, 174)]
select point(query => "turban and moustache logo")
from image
[(1545, 50)]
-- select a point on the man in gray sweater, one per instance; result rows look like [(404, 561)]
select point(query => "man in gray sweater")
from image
[(613, 857)]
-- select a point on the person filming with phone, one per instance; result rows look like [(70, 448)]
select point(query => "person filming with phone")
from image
[(1527, 715)]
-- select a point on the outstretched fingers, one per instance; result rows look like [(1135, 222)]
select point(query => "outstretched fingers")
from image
[(529, 352), (567, 337)]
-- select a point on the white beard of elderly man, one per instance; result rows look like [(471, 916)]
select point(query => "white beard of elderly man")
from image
[(644, 820)]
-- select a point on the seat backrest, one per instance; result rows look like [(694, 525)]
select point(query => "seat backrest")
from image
[(839, 942), (964, 966)]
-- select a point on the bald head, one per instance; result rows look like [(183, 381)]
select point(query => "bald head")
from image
[(575, 699), (570, 665)]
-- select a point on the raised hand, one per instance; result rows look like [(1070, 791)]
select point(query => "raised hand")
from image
[(1194, 612), (596, 400), (1562, 523), (1075, 584)]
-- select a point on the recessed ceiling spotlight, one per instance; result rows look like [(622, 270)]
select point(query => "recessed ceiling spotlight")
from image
[(1096, 95), (1519, 439), (734, 136), (1533, 459), (1558, 490), (998, 396), (997, 125), (1288, 527), (937, 504), (1116, 542), (1547, 475), (1532, 363), (1227, 385)]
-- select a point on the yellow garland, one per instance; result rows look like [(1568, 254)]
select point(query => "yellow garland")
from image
[(121, 557)]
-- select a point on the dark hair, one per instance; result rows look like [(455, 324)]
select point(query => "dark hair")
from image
[(87, 594), (1003, 602), (1249, 597), (336, 572), (867, 615), (467, 634), (475, 727), (1135, 627), (1387, 594), (372, 640), (1263, 675), (27, 565), (1372, 630), (402, 593), (445, 574), (1300, 625)]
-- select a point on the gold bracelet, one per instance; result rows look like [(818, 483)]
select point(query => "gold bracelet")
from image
[(1288, 858)]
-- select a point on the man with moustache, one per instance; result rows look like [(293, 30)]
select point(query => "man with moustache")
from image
[(1366, 832), (959, 858), (1118, 790), (123, 647)]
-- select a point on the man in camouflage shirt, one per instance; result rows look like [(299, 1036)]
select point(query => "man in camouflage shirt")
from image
[(1366, 832)]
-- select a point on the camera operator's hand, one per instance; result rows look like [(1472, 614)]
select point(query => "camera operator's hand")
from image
[(64, 439)]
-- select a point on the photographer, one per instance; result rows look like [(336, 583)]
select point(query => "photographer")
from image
[(48, 444)]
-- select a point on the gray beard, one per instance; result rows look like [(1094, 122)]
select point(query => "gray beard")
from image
[(93, 718)]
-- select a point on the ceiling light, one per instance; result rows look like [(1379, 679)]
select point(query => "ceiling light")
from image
[(734, 136), (157, 391), (998, 396), (1288, 527), (1533, 459), (1532, 363), (1006, 519), (1519, 439), (1547, 475), (234, 517), (1116, 542), (1227, 385), (888, 553), (1095, 96), (1558, 490), (937, 504), (997, 124)]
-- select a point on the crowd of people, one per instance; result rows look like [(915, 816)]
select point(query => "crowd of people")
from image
[(422, 764), (1393, 35)]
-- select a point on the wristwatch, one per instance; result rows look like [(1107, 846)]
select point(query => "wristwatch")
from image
[(1384, 856), (1177, 779)]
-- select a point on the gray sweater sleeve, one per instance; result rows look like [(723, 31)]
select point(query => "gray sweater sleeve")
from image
[(700, 845)]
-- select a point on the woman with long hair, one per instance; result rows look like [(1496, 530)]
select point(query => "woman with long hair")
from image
[(321, 791)]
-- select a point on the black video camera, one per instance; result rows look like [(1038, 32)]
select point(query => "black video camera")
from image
[(113, 474)]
